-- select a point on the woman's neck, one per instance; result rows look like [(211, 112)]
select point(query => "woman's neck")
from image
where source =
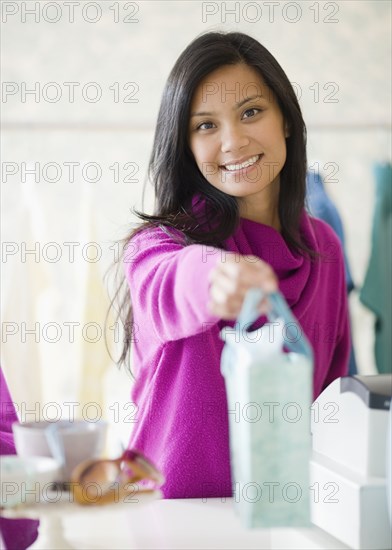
[(262, 208)]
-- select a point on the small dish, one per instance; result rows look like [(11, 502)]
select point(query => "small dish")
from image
[(25, 480)]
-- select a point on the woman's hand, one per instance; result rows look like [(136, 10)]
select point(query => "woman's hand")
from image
[(230, 280)]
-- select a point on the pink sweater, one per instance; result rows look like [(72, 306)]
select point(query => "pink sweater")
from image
[(16, 534), (182, 421)]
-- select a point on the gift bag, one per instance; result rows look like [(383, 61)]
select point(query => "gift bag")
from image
[(268, 377)]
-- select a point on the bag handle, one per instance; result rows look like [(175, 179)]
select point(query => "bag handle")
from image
[(279, 309)]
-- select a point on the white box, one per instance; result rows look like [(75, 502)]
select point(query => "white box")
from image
[(349, 506), (348, 431)]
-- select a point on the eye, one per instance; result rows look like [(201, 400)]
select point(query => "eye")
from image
[(200, 127), (253, 112)]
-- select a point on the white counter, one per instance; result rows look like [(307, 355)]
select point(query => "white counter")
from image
[(177, 524)]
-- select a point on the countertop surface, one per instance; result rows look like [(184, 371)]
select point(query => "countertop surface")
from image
[(155, 523)]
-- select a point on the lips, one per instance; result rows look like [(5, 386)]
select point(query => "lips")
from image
[(236, 166)]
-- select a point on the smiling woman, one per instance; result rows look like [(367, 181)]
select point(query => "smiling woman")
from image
[(238, 142), (228, 166)]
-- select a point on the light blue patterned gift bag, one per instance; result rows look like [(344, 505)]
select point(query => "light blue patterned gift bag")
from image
[(269, 394)]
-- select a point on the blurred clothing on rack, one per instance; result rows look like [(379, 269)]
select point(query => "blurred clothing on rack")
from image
[(376, 291), (320, 205)]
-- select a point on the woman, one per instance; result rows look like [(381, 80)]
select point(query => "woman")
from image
[(229, 166)]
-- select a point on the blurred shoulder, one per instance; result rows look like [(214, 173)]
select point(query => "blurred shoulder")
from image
[(324, 240), (152, 239), (156, 233), (322, 231)]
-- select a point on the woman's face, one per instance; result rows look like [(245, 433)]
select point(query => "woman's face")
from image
[(237, 132)]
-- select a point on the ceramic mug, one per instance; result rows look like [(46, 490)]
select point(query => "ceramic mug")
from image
[(68, 441)]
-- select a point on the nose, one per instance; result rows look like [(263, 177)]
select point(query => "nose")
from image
[(233, 138)]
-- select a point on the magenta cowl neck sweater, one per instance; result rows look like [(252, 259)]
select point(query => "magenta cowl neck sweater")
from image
[(182, 421)]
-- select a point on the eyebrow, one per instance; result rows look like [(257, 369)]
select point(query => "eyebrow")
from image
[(237, 106)]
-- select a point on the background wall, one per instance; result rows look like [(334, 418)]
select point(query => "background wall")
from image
[(74, 157)]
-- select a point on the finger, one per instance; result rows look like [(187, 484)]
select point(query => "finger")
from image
[(225, 283), (223, 311), (264, 306), (258, 274), (220, 297)]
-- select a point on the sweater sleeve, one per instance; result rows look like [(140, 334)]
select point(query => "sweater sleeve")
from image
[(16, 534), (7, 417), (169, 283)]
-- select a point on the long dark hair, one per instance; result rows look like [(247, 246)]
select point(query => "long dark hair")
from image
[(173, 170)]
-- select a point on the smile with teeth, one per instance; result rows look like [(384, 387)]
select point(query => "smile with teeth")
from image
[(234, 167)]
